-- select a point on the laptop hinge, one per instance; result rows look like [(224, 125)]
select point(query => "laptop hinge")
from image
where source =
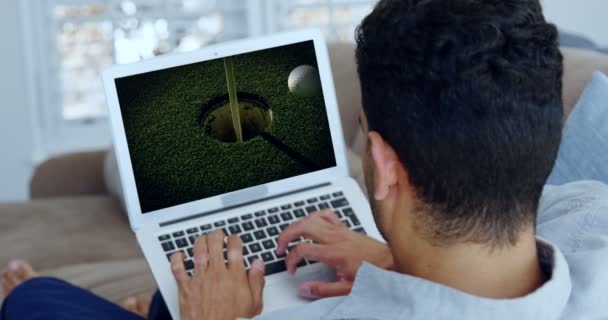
[(202, 214)]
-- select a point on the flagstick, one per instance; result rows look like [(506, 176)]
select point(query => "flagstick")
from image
[(234, 101)]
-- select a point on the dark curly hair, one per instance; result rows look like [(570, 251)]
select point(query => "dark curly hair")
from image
[(468, 93)]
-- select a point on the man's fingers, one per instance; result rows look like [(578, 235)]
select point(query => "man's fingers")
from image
[(201, 254), (312, 227), (179, 270), (330, 216), (305, 250), (215, 246), (319, 289), (256, 284), (235, 253)]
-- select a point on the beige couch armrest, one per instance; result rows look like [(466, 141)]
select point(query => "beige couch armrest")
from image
[(73, 174)]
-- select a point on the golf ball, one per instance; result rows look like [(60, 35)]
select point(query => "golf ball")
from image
[(304, 81)]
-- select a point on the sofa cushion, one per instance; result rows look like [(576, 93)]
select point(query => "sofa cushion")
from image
[(583, 153)]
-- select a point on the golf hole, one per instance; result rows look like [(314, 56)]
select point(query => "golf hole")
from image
[(216, 117)]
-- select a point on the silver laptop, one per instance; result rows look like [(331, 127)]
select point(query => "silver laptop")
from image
[(243, 136)]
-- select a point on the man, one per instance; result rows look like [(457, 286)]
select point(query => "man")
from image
[(463, 114)]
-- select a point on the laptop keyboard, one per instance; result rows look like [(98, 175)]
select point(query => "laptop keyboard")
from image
[(259, 231)]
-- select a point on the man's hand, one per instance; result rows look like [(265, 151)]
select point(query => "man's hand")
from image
[(338, 247), (218, 291)]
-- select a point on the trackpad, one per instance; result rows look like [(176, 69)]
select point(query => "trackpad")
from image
[(281, 290)]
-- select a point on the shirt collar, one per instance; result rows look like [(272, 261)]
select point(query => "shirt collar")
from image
[(382, 294)]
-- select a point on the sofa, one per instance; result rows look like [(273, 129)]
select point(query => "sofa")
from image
[(75, 228)]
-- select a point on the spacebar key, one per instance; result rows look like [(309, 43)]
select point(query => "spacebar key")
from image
[(275, 267)]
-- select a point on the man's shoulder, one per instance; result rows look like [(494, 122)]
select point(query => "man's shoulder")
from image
[(574, 217), (572, 199)]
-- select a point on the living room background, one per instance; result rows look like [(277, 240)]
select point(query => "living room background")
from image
[(54, 51)]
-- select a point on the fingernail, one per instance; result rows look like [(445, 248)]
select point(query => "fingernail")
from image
[(305, 291), (14, 266), (258, 265)]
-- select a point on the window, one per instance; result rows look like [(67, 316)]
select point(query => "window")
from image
[(89, 35), (337, 18)]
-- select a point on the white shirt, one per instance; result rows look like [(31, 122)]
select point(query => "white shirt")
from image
[(572, 233)]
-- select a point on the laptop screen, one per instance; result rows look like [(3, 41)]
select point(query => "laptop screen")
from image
[(213, 127)]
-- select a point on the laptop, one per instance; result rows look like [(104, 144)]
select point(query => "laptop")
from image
[(243, 136)]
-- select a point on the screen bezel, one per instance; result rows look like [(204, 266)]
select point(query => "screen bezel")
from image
[(130, 193)]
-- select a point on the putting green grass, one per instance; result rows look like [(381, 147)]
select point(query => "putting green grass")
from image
[(174, 162)]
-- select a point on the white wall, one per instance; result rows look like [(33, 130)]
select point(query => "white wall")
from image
[(589, 17), (15, 133)]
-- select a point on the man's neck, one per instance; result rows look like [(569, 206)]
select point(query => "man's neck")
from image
[(507, 272)]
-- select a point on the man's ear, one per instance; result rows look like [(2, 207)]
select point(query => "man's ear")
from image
[(385, 162)]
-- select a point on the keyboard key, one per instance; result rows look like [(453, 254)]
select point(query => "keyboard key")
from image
[(272, 231), (275, 267), (260, 213), (355, 220), (286, 216), (311, 209), (339, 203), (255, 247), (206, 227), (220, 223), (192, 230), (299, 203), (323, 205), (274, 219), (164, 237), (299, 213), (226, 232), (360, 230), (245, 251), (247, 226), (286, 207), (283, 226), (189, 264), (348, 211), (339, 214), (324, 197), (168, 246), (192, 239), (267, 256), (225, 255), (181, 242), (312, 200), (190, 252), (233, 220), (246, 237), (261, 223), (280, 256), (247, 216), (337, 194), (252, 258), (346, 223), (273, 210), (235, 228), (268, 244), (178, 234), (259, 234)]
